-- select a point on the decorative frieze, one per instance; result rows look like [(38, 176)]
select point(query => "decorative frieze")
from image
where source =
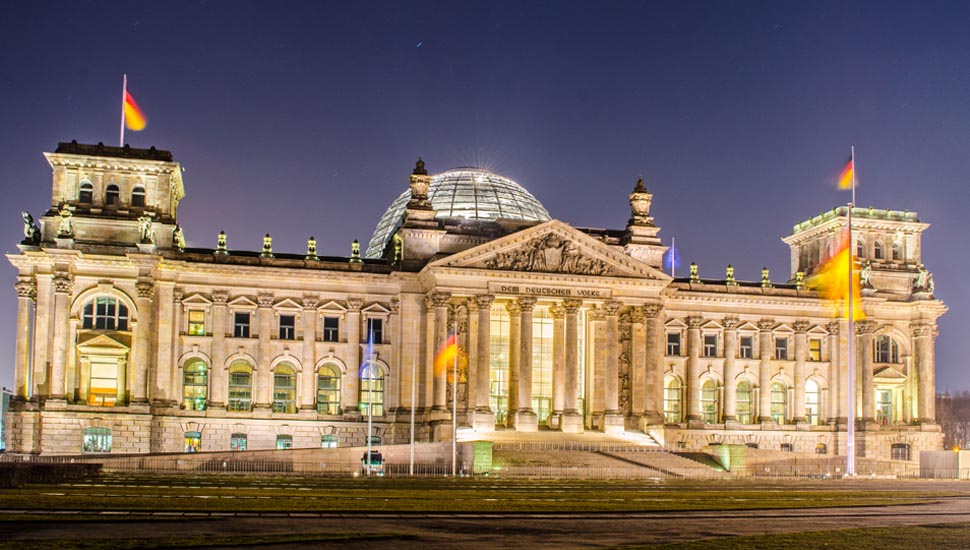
[(549, 254)]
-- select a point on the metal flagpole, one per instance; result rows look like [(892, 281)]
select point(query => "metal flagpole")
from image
[(370, 397), (413, 391), (454, 404), (850, 428), (673, 257), (124, 92)]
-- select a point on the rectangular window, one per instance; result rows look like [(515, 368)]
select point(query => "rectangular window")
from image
[(329, 441), (104, 384), (710, 345), (237, 442), (240, 326), (673, 343), (284, 442), (193, 442), (196, 322), (331, 329), (375, 330), (814, 349), (287, 327), (747, 347), (781, 348)]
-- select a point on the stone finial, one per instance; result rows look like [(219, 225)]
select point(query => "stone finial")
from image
[(398, 249), (729, 276), (355, 252), (221, 249), (267, 247), (311, 249), (800, 280), (65, 229), (694, 278), (178, 238), (419, 169), (640, 200), (765, 278)]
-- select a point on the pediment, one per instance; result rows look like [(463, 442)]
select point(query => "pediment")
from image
[(243, 302), (818, 330), (288, 303), (99, 343), (551, 247), (376, 309), (196, 299), (675, 323), (748, 326), (332, 306), (889, 373), (711, 325)]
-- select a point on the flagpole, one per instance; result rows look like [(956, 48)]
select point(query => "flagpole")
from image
[(370, 397), (454, 405), (413, 391), (850, 313), (124, 91), (673, 257)]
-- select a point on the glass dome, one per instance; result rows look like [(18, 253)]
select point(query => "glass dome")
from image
[(463, 193)]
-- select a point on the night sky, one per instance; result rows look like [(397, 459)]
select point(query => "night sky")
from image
[(306, 118)]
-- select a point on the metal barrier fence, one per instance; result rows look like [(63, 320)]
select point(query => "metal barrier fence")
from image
[(574, 446)]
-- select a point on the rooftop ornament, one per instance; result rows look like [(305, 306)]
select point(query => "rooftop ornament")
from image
[(311, 249), (693, 273), (355, 252), (267, 247), (765, 278), (221, 245), (729, 276), (800, 280)]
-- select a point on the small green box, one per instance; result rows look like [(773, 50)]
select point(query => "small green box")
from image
[(482, 460)]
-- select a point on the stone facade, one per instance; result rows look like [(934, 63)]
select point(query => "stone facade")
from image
[(131, 342)]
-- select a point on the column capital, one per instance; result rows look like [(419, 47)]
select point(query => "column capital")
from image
[(694, 321), (265, 300), (730, 323), (766, 325), (612, 308), (440, 299), (653, 310), (637, 315), (527, 303), (557, 312), (310, 301), (572, 306), (395, 306), (513, 308), (865, 327), (832, 327), (484, 300), (147, 290), (922, 328), (354, 304), (801, 327), (63, 283), (26, 288)]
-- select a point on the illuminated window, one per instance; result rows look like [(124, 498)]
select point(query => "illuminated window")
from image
[(781, 348), (710, 345), (284, 442), (287, 327), (329, 441), (745, 402), (542, 351), (138, 197), (193, 442), (237, 442), (897, 251), (240, 324), (196, 322), (372, 390), (884, 407), (887, 350), (103, 391), (375, 330), (673, 344), (96, 440), (900, 451), (328, 390), (811, 402), (821, 449), (331, 329), (105, 313), (194, 384), (779, 403), (709, 401), (814, 349), (111, 195), (240, 387), (498, 374), (375, 440), (86, 193), (672, 402), (284, 390), (747, 347)]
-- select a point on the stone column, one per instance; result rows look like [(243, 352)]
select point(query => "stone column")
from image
[(484, 417), (572, 419), (515, 351), (138, 371), (164, 330), (218, 371), (308, 393), (440, 300), (471, 378), (693, 369), (655, 373), (766, 352), (351, 387), (865, 330), (638, 364), (801, 357), (612, 419), (62, 304), (923, 335), (42, 344), (558, 314), (392, 382), (264, 377), (730, 325), (525, 416), (835, 385), (26, 294)]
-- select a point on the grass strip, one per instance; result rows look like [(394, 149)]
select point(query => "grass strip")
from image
[(202, 541)]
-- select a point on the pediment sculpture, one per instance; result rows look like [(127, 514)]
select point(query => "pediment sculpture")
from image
[(550, 254)]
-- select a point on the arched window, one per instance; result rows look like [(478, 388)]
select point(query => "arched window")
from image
[(371, 397), (860, 249), (240, 387), (887, 350), (104, 313), (329, 441), (86, 193), (877, 250), (96, 440), (284, 389), (672, 401), (194, 385), (897, 251), (284, 441), (328, 390), (745, 402), (237, 442), (811, 402), (111, 195), (709, 401), (900, 451), (138, 197), (779, 402)]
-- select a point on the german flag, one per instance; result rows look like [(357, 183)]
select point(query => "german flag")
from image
[(833, 281), (447, 355), (134, 118), (848, 175)]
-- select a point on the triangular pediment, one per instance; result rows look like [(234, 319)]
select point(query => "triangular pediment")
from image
[(196, 299), (333, 307), (552, 247), (88, 343), (889, 373), (747, 326), (243, 302), (376, 309), (288, 303)]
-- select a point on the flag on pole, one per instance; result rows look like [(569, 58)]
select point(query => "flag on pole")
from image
[(446, 355), (134, 119), (673, 257), (847, 175), (833, 281)]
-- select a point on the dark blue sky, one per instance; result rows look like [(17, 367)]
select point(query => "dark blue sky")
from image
[(306, 118)]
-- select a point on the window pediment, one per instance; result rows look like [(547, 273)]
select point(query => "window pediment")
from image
[(104, 344)]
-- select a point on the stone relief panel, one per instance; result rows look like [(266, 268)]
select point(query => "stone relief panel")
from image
[(550, 254)]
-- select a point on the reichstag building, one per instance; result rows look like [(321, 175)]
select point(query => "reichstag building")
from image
[(130, 342)]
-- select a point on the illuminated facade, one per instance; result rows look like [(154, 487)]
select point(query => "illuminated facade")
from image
[(128, 341)]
